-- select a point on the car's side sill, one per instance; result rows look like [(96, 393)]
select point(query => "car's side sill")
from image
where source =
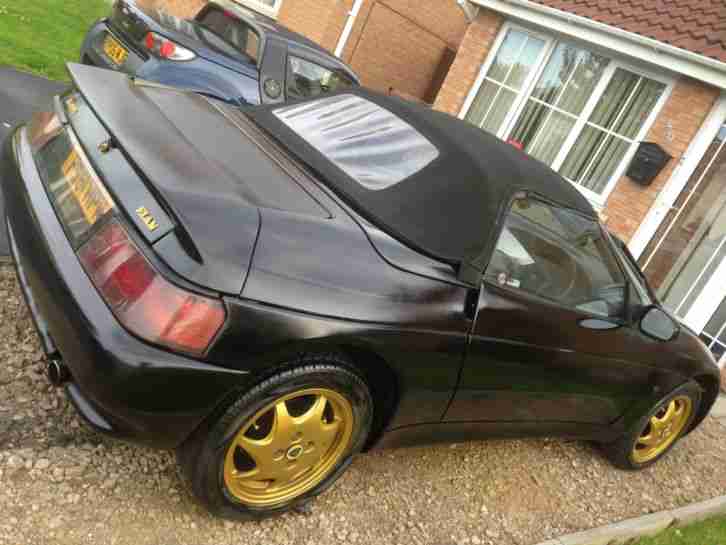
[(450, 432)]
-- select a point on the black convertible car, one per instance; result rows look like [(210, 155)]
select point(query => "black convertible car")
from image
[(272, 290)]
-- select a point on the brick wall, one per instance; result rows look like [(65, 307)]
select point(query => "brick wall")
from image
[(472, 53), (180, 8), (685, 111), (401, 44), (309, 17)]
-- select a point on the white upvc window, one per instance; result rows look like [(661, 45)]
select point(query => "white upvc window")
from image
[(267, 7), (580, 112)]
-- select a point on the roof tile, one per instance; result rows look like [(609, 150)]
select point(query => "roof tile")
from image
[(698, 26)]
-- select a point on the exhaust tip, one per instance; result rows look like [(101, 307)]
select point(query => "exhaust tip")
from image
[(57, 372)]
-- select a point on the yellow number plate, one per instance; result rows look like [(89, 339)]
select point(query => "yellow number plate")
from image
[(115, 51), (91, 201)]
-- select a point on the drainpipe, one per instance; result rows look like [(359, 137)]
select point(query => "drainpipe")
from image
[(470, 11), (349, 23)]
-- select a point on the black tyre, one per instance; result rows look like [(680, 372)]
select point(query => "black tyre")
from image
[(282, 443), (658, 431)]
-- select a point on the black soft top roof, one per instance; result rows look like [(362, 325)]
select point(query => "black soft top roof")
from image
[(448, 203)]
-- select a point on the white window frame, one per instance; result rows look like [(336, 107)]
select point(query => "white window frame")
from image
[(551, 41), (262, 8)]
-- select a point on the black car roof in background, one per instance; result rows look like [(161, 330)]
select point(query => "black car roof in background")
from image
[(269, 28), (435, 182)]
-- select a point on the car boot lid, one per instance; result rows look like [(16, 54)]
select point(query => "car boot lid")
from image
[(178, 142)]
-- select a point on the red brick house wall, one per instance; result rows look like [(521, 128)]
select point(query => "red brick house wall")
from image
[(401, 44), (180, 8), (682, 115), (312, 18), (473, 51)]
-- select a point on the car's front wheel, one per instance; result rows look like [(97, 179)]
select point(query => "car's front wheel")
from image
[(657, 431), (281, 443)]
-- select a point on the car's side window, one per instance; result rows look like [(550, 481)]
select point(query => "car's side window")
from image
[(228, 31), (307, 79), (560, 255)]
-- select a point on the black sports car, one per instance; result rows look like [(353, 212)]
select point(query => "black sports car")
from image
[(272, 290)]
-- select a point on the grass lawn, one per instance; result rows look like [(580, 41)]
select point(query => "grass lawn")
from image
[(42, 35), (711, 532)]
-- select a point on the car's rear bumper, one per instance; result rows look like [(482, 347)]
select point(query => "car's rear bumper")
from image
[(121, 385)]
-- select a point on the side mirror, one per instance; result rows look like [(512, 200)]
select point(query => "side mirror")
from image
[(657, 324)]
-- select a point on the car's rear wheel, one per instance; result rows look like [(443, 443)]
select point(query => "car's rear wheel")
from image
[(282, 443), (658, 431)]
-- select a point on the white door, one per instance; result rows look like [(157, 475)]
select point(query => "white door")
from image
[(686, 259)]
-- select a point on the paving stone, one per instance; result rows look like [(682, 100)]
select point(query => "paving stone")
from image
[(719, 408), (621, 532), (699, 511)]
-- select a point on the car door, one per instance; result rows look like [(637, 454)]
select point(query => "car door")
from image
[(551, 342)]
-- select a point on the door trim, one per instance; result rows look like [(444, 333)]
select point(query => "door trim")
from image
[(678, 180)]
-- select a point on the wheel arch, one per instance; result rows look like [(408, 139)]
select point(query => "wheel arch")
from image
[(378, 374), (710, 388), (376, 371), (384, 384)]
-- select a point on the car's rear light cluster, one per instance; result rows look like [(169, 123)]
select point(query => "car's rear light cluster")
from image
[(144, 301), (166, 49)]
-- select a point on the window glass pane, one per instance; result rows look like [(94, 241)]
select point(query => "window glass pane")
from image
[(483, 101), (558, 255), (554, 134), (690, 235), (622, 111), (602, 168), (499, 110), (525, 63), (307, 79), (579, 157), (613, 99), (555, 74), (639, 294), (542, 132), (715, 326), (567, 83), (507, 55), (570, 77), (530, 121), (706, 248), (583, 81), (639, 108), (514, 61)]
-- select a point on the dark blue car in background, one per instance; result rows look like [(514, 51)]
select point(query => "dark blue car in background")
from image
[(226, 51)]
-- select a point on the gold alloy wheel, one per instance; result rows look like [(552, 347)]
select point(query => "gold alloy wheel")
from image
[(663, 429), (289, 447)]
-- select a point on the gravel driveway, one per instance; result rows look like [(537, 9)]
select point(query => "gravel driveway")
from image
[(60, 483)]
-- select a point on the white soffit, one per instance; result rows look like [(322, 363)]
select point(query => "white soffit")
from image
[(620, 41)]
